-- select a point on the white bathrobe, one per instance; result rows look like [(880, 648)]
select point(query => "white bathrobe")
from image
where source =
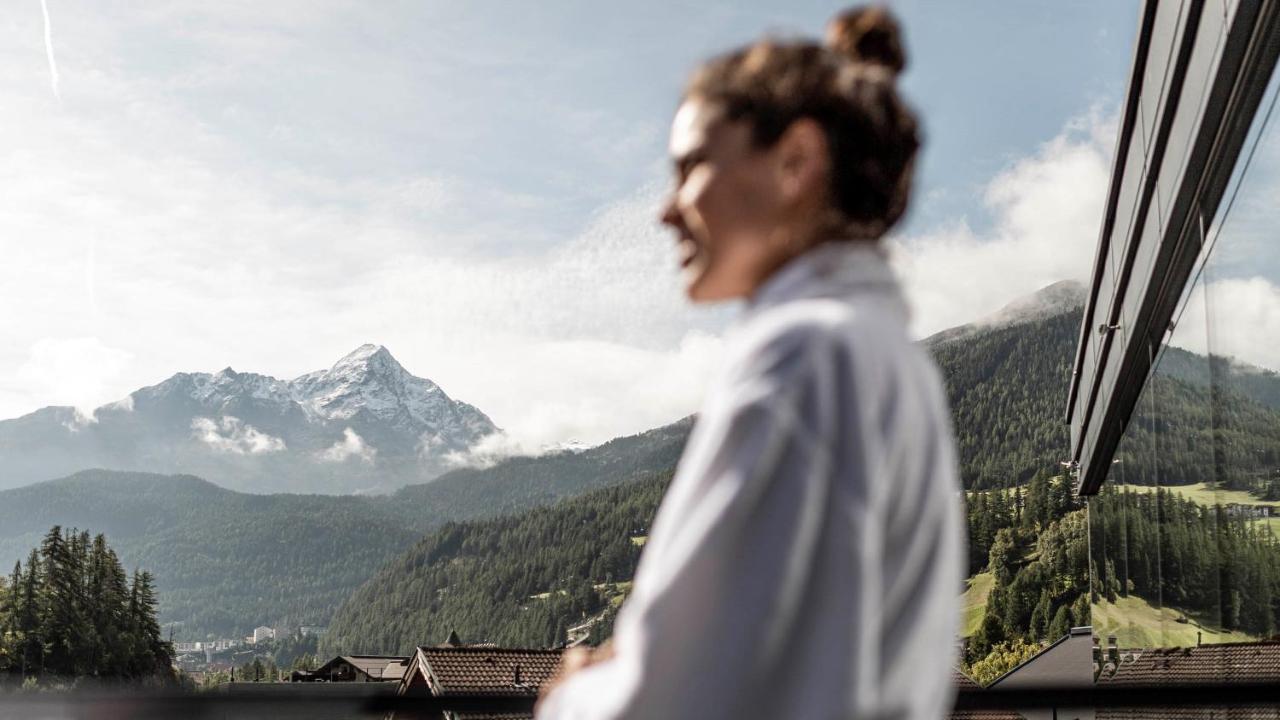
[(806, 561)]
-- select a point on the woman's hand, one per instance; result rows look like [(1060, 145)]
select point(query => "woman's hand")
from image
[(575, 660)]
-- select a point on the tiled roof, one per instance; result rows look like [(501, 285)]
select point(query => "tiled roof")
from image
[(1257, 662), (984, 715), (489, 671), (376, 666), (1207, 713), (361, 663), (963, 682)]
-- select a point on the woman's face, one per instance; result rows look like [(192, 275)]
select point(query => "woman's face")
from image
[(725, 208)]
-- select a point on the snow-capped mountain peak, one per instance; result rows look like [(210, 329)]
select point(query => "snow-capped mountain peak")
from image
[(364, 421), (371, 379)]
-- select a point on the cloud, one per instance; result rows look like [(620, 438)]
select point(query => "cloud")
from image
[(278, 192), (490, 450), (1046, 214), (231, 435), (351, 445), (1232, 317), (124, 404), (78, 371), (591, 391)]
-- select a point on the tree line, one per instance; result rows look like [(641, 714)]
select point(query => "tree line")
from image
[(519, 581), (71, 611), (1214, 561), (1034, 542)]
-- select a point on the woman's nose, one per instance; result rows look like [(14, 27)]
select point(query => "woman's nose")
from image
[(670, 216)]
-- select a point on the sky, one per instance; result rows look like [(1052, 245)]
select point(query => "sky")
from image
[(187, 186)]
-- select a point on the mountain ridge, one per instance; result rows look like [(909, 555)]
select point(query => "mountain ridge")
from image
[(365, 423), (1056, 298)]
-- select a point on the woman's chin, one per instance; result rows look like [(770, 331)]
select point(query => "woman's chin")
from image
[(699, 291)]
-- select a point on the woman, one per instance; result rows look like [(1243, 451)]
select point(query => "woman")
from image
[(806, 560)]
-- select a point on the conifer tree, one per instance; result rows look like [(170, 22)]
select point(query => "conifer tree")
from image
[(70, 612)]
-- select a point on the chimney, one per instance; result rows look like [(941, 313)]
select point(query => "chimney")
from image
[(1199, 638), (1113, 651), (517, 680)]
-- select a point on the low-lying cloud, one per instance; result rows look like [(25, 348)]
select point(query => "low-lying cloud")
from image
[(81, 372), (350, 446), (231, 435), (1233, 317)]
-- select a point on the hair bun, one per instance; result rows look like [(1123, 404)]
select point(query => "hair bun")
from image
[(868, 34)]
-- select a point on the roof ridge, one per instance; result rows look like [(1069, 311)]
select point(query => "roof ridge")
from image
[(488, 650)]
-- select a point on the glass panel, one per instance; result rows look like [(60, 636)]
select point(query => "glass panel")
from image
[(1121, 519), (1159, 57), (1185, 539), (1242, 317), (1187, 495), (1186, 121)]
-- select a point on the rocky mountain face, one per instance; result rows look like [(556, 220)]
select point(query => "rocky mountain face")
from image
[(364, 425)]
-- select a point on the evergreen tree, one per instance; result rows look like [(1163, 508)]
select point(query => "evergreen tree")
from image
[(70, 613)]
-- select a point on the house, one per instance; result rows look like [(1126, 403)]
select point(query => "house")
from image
[(261, 633), (1250, 662), (964, 683), (456, 669), (356, 668), (1066, 663), (1227, 663)]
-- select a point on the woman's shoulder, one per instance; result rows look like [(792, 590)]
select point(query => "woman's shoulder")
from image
[(789, 336)]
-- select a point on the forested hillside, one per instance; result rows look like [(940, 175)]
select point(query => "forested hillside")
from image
[(1007, 387), (1222, 433), (226, 562), (520, 580), (523, 482), (1033, 544), (223, 561)]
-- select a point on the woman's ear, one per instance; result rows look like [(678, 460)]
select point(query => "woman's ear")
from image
[(803, 162)]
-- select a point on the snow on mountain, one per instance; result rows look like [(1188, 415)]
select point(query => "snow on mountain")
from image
[(369, 379), (1060, 297), (364, 422)]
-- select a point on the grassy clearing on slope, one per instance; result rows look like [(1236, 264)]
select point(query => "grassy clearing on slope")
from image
[(974, 602), (1138, 624), (1206, 494), (1272, 524)]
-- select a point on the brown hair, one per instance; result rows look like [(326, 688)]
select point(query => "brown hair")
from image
[(847, 86)]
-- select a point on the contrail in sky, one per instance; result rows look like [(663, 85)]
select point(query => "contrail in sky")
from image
[(48, 48)]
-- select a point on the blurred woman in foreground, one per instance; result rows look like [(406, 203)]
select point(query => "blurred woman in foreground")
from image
[(806, 561)]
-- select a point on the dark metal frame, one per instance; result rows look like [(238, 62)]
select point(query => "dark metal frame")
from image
[(1249, 55), (192, 706)]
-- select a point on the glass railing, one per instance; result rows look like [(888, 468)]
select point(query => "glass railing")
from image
[(286, 700)]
